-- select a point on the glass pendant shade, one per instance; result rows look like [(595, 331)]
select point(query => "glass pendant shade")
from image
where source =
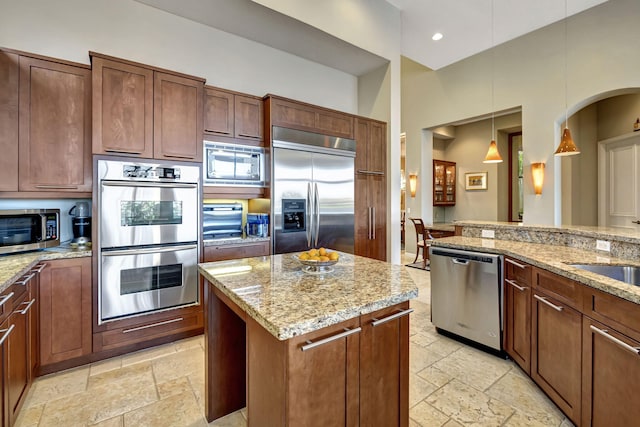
[(493, 155), (567, 147)]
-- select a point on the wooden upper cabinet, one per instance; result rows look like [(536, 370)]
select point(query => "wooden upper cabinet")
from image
[(142, 111), (9, 84), (177, 126), (298, 115), (232, 115), (218, 112), (122, 108), (55, 126)]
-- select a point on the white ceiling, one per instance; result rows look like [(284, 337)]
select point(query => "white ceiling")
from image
[(466, 25)]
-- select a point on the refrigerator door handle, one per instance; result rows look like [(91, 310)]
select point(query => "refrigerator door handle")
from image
[(369, 223), (309, 215), (316, 203), (373, 223)]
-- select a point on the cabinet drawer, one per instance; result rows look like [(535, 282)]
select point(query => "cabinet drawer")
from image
[(518, 271), (146, 331), (621, 314), (226, 252), (567, 290)]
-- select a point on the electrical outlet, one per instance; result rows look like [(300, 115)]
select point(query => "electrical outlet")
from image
[(488, 234), (603, 245), (408, 210)]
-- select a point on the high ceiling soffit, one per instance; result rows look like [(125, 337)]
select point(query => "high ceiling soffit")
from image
[(466, 26)]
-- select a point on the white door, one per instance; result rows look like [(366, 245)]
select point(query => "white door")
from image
[(619, 182)]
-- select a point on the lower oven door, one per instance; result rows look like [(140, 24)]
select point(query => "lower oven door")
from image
[(141, 280)]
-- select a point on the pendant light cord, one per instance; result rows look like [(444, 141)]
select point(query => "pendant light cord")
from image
[(566, 71), (493, 130)]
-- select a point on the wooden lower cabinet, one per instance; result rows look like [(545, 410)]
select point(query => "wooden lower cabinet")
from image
[(17, 376), (65, 310), (227, 252), (384, 367), (611, 380), (556, 352), (517, 313)]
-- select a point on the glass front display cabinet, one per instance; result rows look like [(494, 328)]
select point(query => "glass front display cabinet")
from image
[(444, 183)]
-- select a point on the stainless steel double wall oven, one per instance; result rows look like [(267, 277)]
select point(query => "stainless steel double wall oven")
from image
[(148, 238)]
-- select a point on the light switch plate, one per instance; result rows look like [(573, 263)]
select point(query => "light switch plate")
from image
[(488, 234), (603, 245)]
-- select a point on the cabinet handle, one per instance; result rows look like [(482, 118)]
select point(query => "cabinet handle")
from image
[(517, 264), (603, 332), (367, 172), (310, 344), (38, 268), (246, 135), (544, 300), (217, 131), (369, 223), (26, 309), (512, 283), (636, 222), (177, 156), (111, 150), (56, 187), (373, 223), (24, 281), (6, 298), (6, 333), (402, 313), (139, 328)]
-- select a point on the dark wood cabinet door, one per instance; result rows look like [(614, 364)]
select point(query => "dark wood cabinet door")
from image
[(362, 219), (9, 84), (122, 108), (17, 373), (65, 310), (377, 147), (556, 360), (611, 381), (377, 189), (362, 146), (323, 382), (55, 127), (335, 123), (517, 312), (444, 183), (219, 110), (4, 366), (292, 115), (384, 367), (177, 118), (248, 117)]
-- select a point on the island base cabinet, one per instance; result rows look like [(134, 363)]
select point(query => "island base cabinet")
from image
[(611, 381), (319, 384), (517, 313), (556, 362), (384, 367)]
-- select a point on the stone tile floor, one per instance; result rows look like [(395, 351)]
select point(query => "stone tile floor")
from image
[(451, 384)]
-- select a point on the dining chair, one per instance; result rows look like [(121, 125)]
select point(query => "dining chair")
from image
[(423, 237)]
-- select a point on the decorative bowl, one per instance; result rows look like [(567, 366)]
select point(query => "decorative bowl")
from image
[(315, 267)]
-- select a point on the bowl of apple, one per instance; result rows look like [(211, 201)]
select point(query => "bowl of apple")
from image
[(317, 261)]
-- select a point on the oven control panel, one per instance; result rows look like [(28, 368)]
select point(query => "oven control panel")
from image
[(150, 172)]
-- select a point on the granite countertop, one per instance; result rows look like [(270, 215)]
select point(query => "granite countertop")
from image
[(288, 302), (234, 241), (14, 266), (442, 226), (555, 259)]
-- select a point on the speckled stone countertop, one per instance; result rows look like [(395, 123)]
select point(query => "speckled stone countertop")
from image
[(553, 258), (288, 302), (12, 267), (442, 226), (234, 241)]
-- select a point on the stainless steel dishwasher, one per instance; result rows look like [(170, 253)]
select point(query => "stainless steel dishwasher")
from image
[(466, 295)]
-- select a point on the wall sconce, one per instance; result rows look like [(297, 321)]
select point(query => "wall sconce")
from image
[(413, 183), (537, 171)]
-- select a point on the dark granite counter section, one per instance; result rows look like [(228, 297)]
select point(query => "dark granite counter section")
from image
[(553, 258), (288, 302), (12, 267)]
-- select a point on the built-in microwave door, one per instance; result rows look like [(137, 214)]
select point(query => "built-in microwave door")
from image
[(221, 164), (142, 280), (147, 213)]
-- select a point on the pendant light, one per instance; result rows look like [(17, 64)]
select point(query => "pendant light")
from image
[(567, 147), (493, 155)]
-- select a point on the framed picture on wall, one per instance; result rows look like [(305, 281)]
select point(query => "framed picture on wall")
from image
[(475, 181)]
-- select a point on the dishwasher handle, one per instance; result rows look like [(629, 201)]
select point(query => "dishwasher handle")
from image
[(459, 261)]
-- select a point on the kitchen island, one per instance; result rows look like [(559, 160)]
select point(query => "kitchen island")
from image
[(307, 349)]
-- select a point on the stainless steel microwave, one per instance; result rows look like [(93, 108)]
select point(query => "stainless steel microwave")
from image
[(233, 164), (29, 229)]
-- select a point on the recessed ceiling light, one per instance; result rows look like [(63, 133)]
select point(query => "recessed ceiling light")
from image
[(436, 36)]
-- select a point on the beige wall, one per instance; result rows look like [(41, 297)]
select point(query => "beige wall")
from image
[(68, 29), (530, 72)]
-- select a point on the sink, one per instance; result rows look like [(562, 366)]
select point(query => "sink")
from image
[(625, 273)]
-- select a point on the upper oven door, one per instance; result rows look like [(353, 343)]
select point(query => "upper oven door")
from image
[(147, 213)]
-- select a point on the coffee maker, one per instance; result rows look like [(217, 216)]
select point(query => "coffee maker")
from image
[(81, 224)]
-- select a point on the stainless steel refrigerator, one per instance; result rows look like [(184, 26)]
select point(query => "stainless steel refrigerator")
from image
[(313, 191)]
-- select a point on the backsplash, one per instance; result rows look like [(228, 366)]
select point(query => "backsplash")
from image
[(63, 204)]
